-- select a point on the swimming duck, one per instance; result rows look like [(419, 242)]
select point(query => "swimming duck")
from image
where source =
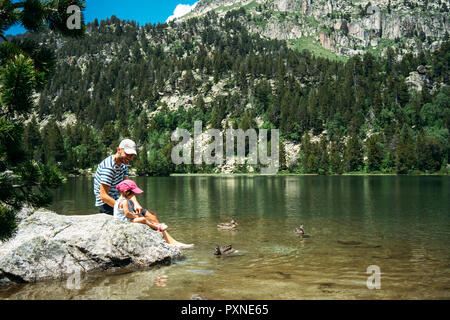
[(220, 250), (300, 231), (228, 225)]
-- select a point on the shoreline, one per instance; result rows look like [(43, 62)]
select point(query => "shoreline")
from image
[(275, 175), (299, 174)]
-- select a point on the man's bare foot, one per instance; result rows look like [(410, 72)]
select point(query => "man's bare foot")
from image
[(183, 245)]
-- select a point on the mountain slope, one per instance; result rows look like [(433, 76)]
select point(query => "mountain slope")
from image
[(370, 113), (342, 26)]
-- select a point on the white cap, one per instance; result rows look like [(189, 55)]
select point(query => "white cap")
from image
[(128, 145)]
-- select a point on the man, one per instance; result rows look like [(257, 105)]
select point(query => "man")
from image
[(110, 172), (113, 170)]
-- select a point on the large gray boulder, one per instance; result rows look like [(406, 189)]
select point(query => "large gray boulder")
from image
[(52, 246)]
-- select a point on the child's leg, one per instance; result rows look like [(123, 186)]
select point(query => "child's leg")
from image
[(144, 221)]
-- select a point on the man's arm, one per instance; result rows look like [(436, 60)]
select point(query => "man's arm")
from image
[(105, 197)]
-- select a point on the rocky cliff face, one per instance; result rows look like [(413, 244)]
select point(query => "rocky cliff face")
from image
[(342, 26)]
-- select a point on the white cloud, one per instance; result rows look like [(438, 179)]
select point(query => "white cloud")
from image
[(181, 10)]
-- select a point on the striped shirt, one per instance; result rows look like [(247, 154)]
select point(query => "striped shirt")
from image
[(109, 173)]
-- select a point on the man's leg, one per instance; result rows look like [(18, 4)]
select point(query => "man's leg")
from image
[(151, 216), (104, 208)]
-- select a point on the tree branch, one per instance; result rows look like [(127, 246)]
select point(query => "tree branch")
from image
[(22, 3), (19, 4)]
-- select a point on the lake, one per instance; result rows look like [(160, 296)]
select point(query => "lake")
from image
[(399, 224)]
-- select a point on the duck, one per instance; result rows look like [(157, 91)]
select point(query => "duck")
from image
[(222, 250), (300, 231), (227, 225)]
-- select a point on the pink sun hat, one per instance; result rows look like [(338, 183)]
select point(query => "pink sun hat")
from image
[(128, 185)]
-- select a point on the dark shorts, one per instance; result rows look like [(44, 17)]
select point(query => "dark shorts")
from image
[(104, 208)]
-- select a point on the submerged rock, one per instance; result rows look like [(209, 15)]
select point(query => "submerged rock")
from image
[(349, 242), (52, 246)]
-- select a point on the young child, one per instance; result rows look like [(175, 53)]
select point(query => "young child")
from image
[(124, 211)]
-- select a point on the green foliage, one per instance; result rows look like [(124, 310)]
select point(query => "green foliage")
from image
[(32, 139), (324, 161), (141, 163), (375, 152), (18, 82), (336, 158), (158, 161), (8, 223), (109, 136), (10, 144), (25, 66), (298, 91), (53, 151), (353, 155), (430, 153), (405, 157)]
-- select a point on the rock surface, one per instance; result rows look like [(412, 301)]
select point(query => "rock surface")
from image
[(416, 80), (342, 26), (52, 246)]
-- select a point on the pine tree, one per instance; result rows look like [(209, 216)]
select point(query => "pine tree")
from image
[(305, 153), (263, 92), (324, 162), (429, 153), (282, 155), (189, 82), (109, 136), (405, 156), (53, 149), (247, 122), (25, 66), (375, 152), (94, 148), (32, 139), (141, 163), (141, 129), (353, 154), (421, 150), (336, 161)]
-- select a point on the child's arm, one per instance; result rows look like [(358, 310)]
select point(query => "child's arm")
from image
[(126, 210), (137, 206)]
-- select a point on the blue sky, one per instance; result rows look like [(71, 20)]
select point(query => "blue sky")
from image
[(142, 11)]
